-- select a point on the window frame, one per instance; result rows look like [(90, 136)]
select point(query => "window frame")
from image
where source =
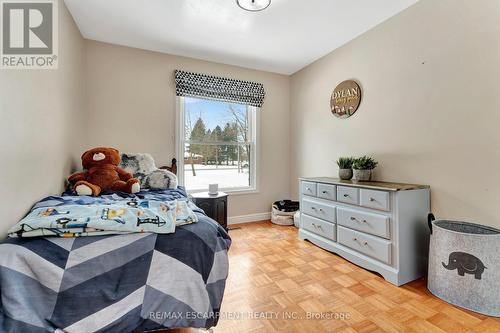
[(180, 142)]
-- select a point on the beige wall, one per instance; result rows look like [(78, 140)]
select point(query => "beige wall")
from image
[(41, 114), (430, 111), (130, 103)]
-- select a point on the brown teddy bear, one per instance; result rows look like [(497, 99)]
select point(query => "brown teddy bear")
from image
[(102, 174)]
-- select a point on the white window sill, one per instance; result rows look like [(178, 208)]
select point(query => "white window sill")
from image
[(231, 192), (241, 192)]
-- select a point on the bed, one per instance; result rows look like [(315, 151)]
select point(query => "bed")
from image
[(115, 283)]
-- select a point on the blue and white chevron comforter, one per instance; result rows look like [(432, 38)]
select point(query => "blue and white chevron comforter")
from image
[(115, 283)]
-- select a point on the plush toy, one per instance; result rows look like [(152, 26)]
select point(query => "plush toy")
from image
[(102, 174)]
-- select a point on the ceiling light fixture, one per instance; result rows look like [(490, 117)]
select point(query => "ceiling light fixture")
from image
[(253, 5)]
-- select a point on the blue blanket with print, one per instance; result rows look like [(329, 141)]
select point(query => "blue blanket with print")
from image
[(76, 216)]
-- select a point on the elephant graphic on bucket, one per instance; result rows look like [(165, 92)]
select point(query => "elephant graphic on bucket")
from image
[(465, 263)]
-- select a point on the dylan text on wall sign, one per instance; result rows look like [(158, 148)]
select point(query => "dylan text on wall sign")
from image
[(345, 99)]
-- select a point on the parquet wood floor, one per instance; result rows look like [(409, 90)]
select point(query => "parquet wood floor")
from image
[(273, 273)]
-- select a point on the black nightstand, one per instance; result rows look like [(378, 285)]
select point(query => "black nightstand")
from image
[(215, 206)]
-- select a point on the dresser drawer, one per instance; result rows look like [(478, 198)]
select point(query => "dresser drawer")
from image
[(374, 224), (374, 199), (308, 188), (319, 227), (347, 194), (327, 191), (318, 209), (372, 246)]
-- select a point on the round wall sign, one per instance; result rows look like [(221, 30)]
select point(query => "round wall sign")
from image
[(345, 99)]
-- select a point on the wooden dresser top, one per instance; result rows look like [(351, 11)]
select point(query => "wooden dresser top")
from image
[(387, 186)]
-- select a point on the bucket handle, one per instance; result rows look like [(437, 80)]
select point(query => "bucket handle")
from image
[(430, 218)]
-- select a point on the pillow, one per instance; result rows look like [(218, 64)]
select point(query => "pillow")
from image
[(143, 167)]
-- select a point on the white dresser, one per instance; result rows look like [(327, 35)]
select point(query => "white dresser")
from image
[(376, 225)]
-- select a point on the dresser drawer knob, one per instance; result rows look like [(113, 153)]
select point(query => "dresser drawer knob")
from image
[(308, 188), (365, 243), (353, 218), (355, 239), (324, 192), (346, 195), (313, 208), (372, 199), (364, 221), (321, 210)]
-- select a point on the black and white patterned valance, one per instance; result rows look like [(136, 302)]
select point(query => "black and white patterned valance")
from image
[(219, 88)]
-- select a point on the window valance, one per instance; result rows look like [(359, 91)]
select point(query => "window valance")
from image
[(219, 88)]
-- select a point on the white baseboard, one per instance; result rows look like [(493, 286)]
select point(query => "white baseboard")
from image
[(249, 218)]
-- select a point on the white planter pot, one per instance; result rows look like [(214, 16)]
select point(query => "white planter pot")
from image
[(363, 175), (345, 174)]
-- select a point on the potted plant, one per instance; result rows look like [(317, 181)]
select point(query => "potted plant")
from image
[(345, 167), (363, 167)]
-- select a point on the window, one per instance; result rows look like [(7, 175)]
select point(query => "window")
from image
[(218, 142)]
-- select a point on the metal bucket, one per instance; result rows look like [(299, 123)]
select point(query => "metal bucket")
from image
[(464, 265)]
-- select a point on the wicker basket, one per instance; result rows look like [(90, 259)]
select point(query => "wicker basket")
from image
[(282, 212), (464, 265)]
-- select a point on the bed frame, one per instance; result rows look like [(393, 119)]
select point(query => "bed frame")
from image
[(172, 168)]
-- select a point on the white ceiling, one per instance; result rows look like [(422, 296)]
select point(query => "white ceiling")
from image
[(284, 38)]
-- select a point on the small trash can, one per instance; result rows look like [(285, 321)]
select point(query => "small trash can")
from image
[(464, 265), (283, 211)]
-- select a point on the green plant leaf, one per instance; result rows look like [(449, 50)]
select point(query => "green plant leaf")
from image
[(364, 163), (345, 162)]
